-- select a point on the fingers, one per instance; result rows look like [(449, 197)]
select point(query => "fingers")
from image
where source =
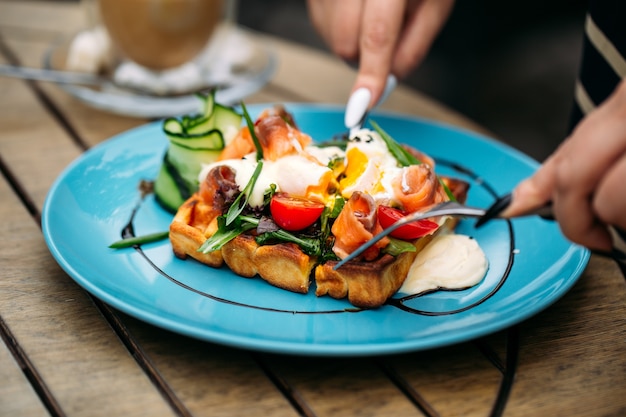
[(384, 36), (609, 200), (584, 178), (345, 22), (380, 29), (339, 24), (592, 156), (424, 20), (571, 207), (535, 191)]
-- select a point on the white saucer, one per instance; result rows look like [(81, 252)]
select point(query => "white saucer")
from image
[(238, 76)]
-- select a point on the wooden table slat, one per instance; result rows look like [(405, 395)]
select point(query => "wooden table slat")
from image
[(57, 327), (17, 395)]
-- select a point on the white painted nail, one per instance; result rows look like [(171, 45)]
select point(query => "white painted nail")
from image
[(357, 106)]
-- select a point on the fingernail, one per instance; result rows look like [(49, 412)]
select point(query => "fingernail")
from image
[(357, 106)]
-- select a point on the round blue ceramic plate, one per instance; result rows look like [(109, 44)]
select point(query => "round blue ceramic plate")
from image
[(531, 265)]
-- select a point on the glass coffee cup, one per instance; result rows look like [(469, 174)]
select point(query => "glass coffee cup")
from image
[(160, 34)]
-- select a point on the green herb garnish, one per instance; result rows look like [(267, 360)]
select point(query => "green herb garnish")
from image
[(447, 190), (225, 233), (331, 213), (139, 240), (268, 194), (255, 139), (404, 157), (242, 199), (310, 246), (397, 246)]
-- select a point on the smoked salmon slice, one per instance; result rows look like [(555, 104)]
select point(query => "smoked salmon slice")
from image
[(356, 224), (276, 136), (417, 187)]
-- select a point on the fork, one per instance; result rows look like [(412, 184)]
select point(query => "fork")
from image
[(452, 208), (448, 208)]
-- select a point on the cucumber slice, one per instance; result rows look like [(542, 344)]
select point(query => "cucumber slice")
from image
[(173, 126), (212, 140), (204, 122), (228, 121), (194, 141), (188, 163), (166, 190)]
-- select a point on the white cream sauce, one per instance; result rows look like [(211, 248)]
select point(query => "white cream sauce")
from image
[(449, 261)]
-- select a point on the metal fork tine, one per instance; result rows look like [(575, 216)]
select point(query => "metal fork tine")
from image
[(449, 208)]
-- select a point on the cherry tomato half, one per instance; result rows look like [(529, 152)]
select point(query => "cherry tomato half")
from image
[(293, 213), (387, 216)]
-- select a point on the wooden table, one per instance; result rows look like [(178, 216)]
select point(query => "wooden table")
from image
[(67, 353)]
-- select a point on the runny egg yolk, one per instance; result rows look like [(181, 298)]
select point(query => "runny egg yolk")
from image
[(355, 167), (301, 176), (323, 189), (361, 174)]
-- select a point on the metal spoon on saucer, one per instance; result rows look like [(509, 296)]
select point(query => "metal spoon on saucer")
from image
[(60, 77), (82, 79)]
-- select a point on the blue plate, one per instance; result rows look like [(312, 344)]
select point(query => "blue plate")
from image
[(531, 264)]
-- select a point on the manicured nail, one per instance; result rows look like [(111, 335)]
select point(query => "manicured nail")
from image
[(357, 106)]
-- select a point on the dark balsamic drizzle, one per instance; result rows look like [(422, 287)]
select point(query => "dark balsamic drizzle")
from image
[(128, 231)]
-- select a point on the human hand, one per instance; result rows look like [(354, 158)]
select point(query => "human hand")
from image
[(585, 178), (383, 36)]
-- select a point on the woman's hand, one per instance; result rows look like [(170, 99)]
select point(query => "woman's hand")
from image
[(382, 36), (585, 178)]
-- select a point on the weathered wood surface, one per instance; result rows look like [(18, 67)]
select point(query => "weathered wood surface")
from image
[(65, 353)]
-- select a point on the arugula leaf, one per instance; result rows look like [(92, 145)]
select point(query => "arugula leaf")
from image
[(310, 246), (337, 206), (447, 189), (331, 213), (268, 194), (225, 233), (255, 139), (398, 246), (242, 199), (403, 156), (326, 239)]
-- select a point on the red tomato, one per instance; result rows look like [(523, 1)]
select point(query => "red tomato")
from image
[(293, 213), (387, 216)]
